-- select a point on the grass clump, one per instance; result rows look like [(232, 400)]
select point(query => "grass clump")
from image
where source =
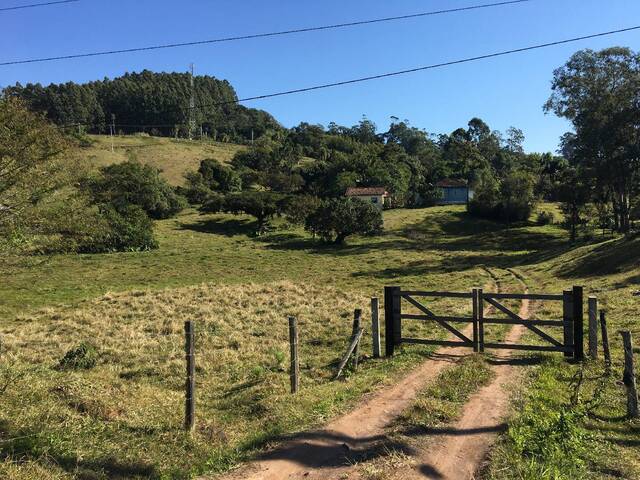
[(442, 401), (82, 357)]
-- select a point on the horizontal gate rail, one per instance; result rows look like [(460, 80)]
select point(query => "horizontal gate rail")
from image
[(513, 321), (442, 343), (522, 296), (411, 316), (535, 348), (420, 293)]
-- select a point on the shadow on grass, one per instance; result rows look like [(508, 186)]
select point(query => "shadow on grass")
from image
[(610, 257), (330, 449), (227, 227), (36, 446)]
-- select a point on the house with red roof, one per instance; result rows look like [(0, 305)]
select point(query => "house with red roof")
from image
[(375, 195)]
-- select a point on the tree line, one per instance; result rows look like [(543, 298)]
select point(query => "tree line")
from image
[(155, 103)]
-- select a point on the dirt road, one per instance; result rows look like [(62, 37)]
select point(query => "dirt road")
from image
[(456, 454)]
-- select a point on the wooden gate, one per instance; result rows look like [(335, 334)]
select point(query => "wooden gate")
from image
[(571, 323)]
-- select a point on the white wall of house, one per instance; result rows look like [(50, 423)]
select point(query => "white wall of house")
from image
[(377, 200)]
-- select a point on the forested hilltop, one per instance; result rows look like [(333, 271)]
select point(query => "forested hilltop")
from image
[(156, 103)]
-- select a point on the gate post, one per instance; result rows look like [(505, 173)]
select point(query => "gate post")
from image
[(475, 302), (578, 323), (480, 320), (397, 321), (567, 318), (389, 324)]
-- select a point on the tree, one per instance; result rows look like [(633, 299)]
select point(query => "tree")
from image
[(574, 193), (599, 92), (124, 229), (132, 183), (219, 177), (31, 167), (297, 208), (338, 218), (261, 205), (148, 98)]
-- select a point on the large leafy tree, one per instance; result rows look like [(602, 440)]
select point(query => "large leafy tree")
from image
[(338, 218), (37, 195), (600, 93), (261, 205), (132, 183)]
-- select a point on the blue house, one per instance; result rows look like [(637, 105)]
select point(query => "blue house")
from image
[(454, 192)]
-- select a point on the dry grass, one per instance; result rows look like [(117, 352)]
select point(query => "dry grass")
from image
[(125, 414), (173, 157)]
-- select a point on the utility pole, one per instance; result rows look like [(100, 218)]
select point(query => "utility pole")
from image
[(112, 129), (192, 106)]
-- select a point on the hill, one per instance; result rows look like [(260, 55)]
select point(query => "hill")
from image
[(172, 156)]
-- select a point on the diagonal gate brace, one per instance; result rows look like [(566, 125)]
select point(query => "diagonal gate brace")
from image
[(433, 317), (524, 322)]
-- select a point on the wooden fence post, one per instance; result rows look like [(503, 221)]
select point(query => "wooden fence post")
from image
[(389, 333), (397, 321), (357, 321), (567, 318), (578, 323), (605, 338), (294, 371), (593, 327), (190, 394), (629, 377), (475, 302), (480, 320), (375, 327)]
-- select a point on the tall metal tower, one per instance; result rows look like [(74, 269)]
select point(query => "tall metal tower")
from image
[(192, 105)]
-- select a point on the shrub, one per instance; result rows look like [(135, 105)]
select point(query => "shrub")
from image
[(261, 205), (128, 229), (338, 218), (83, 357), (510, 200), (297, 208), (545, 218), (218, 177), (132, 183)]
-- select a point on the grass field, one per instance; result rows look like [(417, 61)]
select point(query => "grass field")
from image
[(173, 157), (122, 418)]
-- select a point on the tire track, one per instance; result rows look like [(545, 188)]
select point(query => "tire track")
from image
[(459, 454), (322, 454)]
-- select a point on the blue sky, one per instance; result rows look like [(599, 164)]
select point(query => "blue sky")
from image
[(504, 91)]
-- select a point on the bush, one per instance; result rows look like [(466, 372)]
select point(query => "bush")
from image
[(83, 357), (261, 205), (338, 218), (132, 183), (128, 229), (218, 177), (545, 218), (510, 200), (297, 208)]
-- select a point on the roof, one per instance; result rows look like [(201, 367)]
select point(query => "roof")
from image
[(451, 183), (362, 191)]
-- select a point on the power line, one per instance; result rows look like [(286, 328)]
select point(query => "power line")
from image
[(33, 5), (393, 74), (260, 35), (429, 67)]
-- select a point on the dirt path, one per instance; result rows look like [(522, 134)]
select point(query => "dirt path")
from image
[(458, 454), (359, 434)]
